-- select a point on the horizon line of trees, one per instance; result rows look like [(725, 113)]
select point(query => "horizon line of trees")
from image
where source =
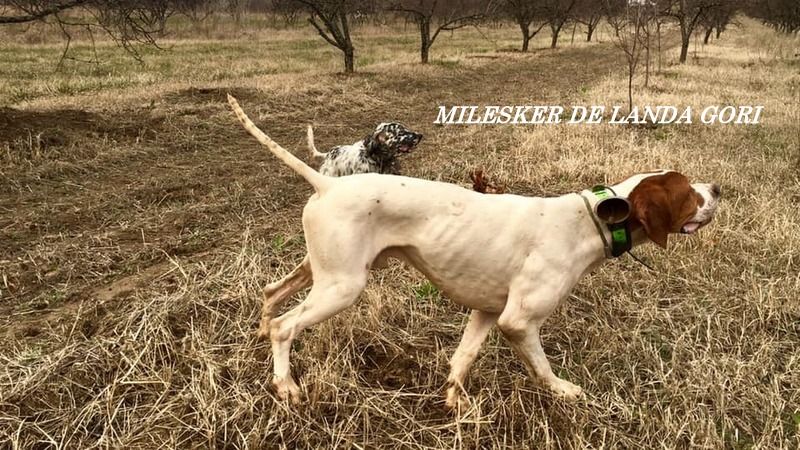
[(132, 22)]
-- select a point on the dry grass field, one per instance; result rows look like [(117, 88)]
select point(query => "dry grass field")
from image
[(138, 222)]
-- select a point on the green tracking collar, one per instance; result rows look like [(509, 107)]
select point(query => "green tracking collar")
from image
[(614, 212)]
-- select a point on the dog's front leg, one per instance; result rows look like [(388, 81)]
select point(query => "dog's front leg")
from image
[(529, 347), (475, 333), (529, 304)]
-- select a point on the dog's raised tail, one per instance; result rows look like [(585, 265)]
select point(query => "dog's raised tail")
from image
[(319, 181), (311, 147)]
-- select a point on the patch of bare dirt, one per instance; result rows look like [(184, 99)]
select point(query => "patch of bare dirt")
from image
[(392, 369), (59, 128), (212, 95), (125, 285)]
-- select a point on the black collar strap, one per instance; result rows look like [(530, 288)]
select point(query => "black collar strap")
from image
[(621, 241)]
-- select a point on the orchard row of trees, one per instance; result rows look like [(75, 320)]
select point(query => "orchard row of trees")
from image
[(139, 21), (783, 15), (331, 18)]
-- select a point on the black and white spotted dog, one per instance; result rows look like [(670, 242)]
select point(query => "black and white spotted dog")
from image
[(377, 152)]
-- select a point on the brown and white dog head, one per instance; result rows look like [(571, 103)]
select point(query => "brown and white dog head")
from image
[(666, 202)]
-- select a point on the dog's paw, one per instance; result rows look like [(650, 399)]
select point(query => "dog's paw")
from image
[(287, 389), (455, 399), (567, 390)]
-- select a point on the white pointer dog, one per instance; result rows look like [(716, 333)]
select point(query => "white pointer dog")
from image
[(510, 259)]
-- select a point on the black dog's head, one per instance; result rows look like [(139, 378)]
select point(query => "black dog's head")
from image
[(389, 139)]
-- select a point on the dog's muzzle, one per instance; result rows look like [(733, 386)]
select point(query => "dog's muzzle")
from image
[(408, 143)]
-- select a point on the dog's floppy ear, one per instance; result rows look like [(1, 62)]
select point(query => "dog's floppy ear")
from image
[(654, 215), (374, 142), (650, 206), (381, 137), (378, 137)]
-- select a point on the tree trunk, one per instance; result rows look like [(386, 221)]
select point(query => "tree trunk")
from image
[(647, 61), (425, 39), (589, 32), (554, 35), (574, 27), (349, 56), (658, 36), (630, 90), (236, 12), (349, 60), (526, 35), (719, 31), (707, 36), (685, 40)]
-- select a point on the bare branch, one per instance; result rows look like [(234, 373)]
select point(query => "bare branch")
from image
[(35, 14), (329, 18), (322, 32)]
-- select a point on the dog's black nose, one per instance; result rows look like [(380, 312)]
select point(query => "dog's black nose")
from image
[(716, 191)]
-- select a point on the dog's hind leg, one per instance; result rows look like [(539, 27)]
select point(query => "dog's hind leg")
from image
[(475, 333), (331, 294), (278, 292)]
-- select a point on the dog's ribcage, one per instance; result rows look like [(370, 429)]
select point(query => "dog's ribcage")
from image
[(348, 160)]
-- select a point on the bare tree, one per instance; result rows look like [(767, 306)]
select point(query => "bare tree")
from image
[(330, 19), (650, 29), (434, 16), (688, 14), (658, 19), (237, 9), (524, 13), (612, 10), (718, 18), (630, 24), (127, 22), (289, 10), (197, 10), (588, 13), (557, 13), (783, 15)]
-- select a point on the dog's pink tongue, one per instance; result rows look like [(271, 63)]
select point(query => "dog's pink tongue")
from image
[(691, 227)]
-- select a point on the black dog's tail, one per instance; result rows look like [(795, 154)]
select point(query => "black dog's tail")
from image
[(319, 181)]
